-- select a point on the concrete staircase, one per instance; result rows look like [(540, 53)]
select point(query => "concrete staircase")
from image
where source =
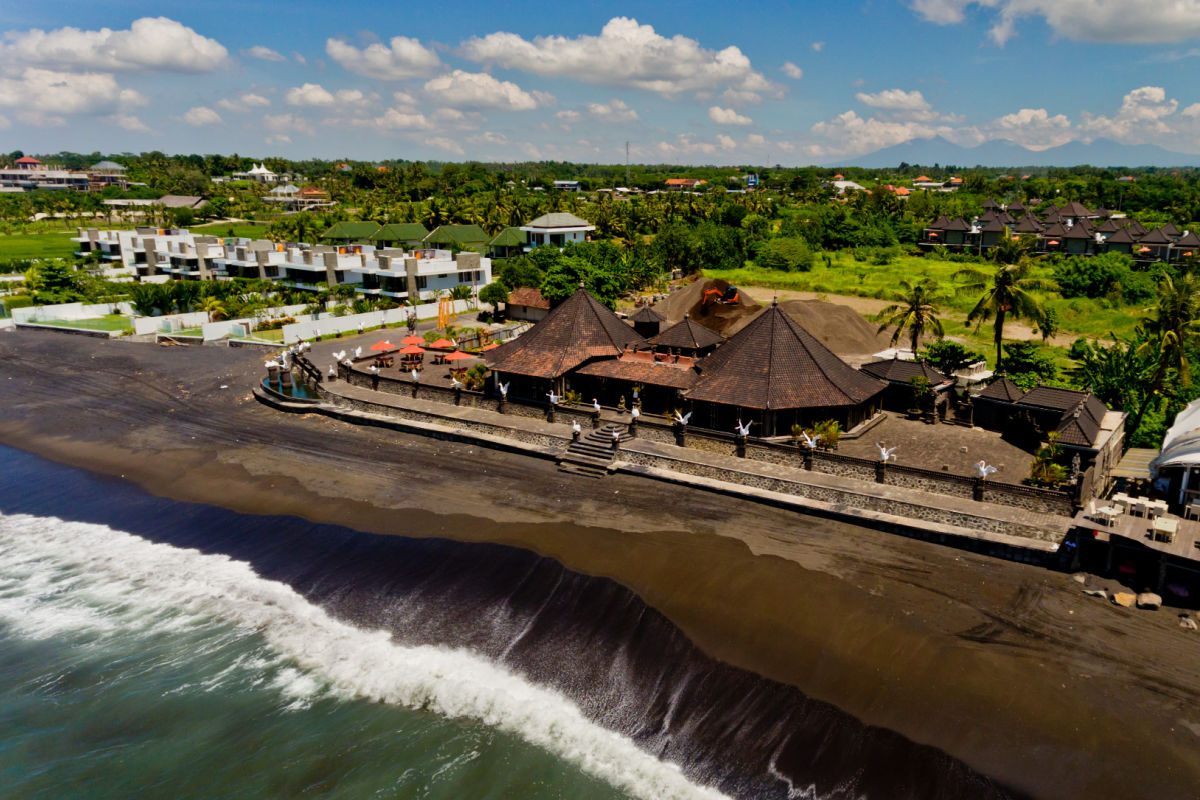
[(592, 454)]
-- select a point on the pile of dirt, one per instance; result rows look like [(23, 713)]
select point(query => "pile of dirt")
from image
[(725, 319), (840, 328)]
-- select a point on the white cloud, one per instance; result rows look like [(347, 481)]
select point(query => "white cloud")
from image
[(278, 138), (488, 137), (1192, 111), (1034, 128), (625, 54), (287, 124), (792, 71), (573, 116), (394, 120), (1140, 115), (818, 46), (398, 60), (894, 100), (727, 116), (1112, 21), (299, 58), (201, 115), (265, 53), (443, 143), (313, 94), (243, 102), (850, 133), (43, 90), (40, 119), (613, 111), (4, 123), (479, 90), (128, 122), (726, 142), (151, 43)]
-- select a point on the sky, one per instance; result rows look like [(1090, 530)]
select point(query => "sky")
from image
[(683, 82)]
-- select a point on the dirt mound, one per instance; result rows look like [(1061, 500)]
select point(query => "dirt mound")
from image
[(840, 328), (725, 319)]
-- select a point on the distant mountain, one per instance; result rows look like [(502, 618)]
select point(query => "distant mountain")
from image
[(1004, 153)]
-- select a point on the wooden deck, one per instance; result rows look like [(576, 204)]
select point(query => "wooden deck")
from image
[(1186, 543)]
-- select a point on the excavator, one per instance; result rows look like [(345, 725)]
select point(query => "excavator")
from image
[(728, 296)]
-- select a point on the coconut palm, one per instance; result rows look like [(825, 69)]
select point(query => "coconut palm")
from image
[(214, 308), (1008, 292), (915, 310)]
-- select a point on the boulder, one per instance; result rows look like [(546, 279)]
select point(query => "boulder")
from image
[(1188, 624), (1079, 577), (1149, 600), (1124, 599)]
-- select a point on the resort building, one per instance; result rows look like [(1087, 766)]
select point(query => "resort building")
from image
[(259, 174), (528, 304), (899, 375), (557, 230)]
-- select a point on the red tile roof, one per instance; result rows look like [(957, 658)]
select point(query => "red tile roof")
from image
[(646, 368), (528, 296), (687, 335)]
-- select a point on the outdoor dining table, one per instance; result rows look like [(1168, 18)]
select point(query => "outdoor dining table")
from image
[(1107, 514), (1156, 508), (1165, 529)]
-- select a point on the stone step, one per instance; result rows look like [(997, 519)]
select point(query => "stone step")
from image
[(582, 470)]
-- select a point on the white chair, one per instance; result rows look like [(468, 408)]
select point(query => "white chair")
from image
[(1192, 511), (1137, 506)]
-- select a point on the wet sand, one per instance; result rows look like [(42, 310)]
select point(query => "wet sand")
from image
[(1005, 666)]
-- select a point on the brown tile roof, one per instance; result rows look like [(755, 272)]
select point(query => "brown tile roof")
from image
[(1108, 226), (1053, 398), (580, 328), (899, 371), (1135, 227), (647, 314), (957, 224), (989, 203), (1170, 230), (1120, 237), (940, 223), (1016, 205), (687, 335), (1002, 389), (528, 296), (995, 226), (642, 367), (1081, 426), (1028, 224), (1156, 236), (1079, 231), (1074, 209), (1189, 239), (773, 363)]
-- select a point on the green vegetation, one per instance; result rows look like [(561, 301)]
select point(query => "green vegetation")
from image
[(24, 246), (112, 322)]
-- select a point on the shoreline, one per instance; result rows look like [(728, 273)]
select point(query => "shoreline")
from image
[(1006, 666)]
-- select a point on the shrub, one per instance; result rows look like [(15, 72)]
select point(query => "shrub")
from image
[(789, 254)]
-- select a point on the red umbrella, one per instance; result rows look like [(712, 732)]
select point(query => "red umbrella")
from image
[(384, 345), (412, 350), (414, 339), (458, 355), (442, 343), (491, 346)]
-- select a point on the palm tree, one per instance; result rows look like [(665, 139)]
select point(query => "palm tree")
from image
[(214, 308), (915, 309), (1007, 292), (1176, 321)]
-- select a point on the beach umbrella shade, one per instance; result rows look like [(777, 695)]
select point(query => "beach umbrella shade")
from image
[(384, 345), (491, 346), (414, 339), (442, 343), (412, 350), (458, 355)]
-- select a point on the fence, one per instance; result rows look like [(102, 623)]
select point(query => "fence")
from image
[(69, 311), (328, 324)]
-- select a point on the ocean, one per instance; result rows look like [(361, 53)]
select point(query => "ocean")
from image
[(153, 648)]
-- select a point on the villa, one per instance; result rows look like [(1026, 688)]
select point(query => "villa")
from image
[(557, 230)]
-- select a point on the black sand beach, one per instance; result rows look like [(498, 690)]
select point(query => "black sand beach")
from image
[(1007, 667)]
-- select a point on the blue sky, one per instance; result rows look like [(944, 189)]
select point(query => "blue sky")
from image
[(724, 83)]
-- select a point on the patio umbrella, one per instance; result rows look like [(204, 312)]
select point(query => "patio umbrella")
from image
[(442, 343), (384, 345), (412, 350), (414, 339), (458, 355), (491, 346)]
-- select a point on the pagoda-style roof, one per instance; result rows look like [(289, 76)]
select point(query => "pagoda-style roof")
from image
[(579, 329), (1056, 229), (1108, 226), (1101, 213), (899, 371), (1015, 206), (1170, 230), (995, 226), (1028, 224), (1081, 426), (1156, 236), (1003, 390), (400, 232), (1122, 236), (773, 363), (648, 314), (1136, 228), (1074, 209), (1053, 398), (940, 223), (687, 335), (1051, 215), (1188, 239), (989, 203), (989, 215), (1079, 231), (957, 224)]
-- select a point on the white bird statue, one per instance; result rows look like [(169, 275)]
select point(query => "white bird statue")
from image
[(575, 428), (744, 430), (455, 383), (374, 369), (595, 404), (635, 412), (504, 390), (270, 364), (348, 363), (358, 352), (885, 452), (416, 375), (984, 469), (360, 327), (616, 435), (682, 419), (341, 356), (553, 398), (810, 441), (332, 371)]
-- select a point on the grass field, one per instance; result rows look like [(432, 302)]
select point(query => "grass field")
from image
[(1078, 316), (15, 246), (112, 322), (248, 230)]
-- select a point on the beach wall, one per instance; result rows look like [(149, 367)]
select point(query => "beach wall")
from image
[(69, 311)]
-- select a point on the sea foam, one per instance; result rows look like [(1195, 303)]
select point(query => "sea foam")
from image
[(58, 576)]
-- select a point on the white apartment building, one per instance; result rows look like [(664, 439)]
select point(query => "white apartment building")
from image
[(556, 230)]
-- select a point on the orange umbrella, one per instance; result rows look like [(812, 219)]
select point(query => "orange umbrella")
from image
[(442, 343), (491, 346), (384, 345), (458, 355), (414, 339), (412, 350)]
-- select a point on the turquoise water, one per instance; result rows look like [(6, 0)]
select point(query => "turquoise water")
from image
[(133, 668)]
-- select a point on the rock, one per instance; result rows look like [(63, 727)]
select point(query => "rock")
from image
[(1095, 593), (1079, 577), (1124, 599), (1188, 624), (1149, 600)]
